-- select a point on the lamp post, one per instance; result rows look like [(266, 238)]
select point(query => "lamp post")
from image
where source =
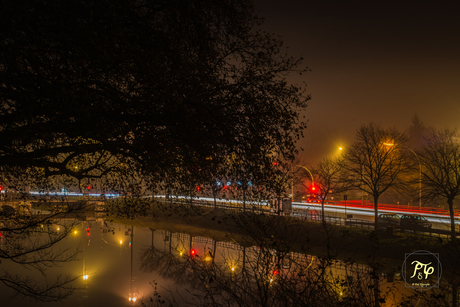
[(312, 180)]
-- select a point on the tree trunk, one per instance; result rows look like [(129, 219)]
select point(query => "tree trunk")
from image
[(376, 212), (279, 205), (214, 251), (322, 210), (170, 239), (375, 276), (452, 221), (244, 199), (454, 295)]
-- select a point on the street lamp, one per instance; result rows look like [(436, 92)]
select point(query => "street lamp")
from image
[(312, 180), (420, 166)]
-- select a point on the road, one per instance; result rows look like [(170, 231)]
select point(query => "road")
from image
[(438, 217)]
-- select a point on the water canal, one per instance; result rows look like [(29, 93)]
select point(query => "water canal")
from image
[(123, 265)]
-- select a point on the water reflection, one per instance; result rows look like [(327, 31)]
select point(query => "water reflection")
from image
[(224, 273), (123, 265), (227, 274), (30, 242)]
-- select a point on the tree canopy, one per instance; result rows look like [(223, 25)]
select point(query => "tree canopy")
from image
[(377, 161), (330, 179), (440, 171), (89, 88)]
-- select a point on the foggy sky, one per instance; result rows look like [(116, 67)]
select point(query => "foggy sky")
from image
[(371, 61)]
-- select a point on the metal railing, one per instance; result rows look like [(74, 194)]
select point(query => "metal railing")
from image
[(308, 215)]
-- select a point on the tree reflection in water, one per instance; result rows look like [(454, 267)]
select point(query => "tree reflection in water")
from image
[(167, 263), (267, 274), (29, 241), (270, 268)]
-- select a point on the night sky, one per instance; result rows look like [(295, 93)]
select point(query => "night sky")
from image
[(371, 61)]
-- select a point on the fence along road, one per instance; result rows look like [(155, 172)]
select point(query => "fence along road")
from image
[(336, 211)]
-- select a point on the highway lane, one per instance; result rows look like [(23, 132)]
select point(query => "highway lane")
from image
[(439, 219)]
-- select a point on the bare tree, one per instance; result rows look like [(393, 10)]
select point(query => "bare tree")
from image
[(29, 241), (377, 161), (329, 180), (440, 159)]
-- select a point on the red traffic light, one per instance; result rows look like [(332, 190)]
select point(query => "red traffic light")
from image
[(198, 189), (275, 163), (88, 187), (1, 188), (192, 252)]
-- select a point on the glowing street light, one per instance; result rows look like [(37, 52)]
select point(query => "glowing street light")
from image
[(312, 180)]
